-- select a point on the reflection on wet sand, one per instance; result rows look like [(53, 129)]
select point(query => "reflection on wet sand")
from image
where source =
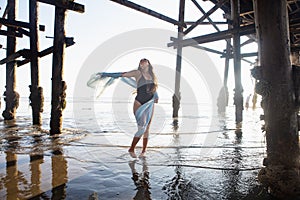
[(21, 185), (141, 180), (35, 169), (59, 174), (12, 176), (178, 185), (96, 165), (233, 177)]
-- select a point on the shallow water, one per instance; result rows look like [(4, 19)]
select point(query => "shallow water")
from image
[(198, 156)]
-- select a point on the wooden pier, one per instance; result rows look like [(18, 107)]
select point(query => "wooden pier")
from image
[(274, 25), (18, 29)]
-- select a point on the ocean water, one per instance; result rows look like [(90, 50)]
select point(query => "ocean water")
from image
[(199, 155)]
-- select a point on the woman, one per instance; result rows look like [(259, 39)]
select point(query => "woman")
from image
[(146, 90)]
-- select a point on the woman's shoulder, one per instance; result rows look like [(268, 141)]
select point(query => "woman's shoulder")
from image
[(132, 73), (137, 73)]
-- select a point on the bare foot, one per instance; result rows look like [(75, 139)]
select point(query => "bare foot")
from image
[(132, 154), (142, 155)]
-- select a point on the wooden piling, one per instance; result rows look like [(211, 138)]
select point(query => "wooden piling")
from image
[(222, 100), (238, 90), (11, 96), (227, 59), (36, 92), (281, 174), (58, 85), (176, 96)]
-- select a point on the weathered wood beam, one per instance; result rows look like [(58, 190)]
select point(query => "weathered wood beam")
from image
[(294, 12), (10, 34), (248, 61), (249, 41), (203, 12), (243, 55), (23, 31), (211, 11), (25, 53), (68, 42), (295, 48), (247, 13), (14, 23), (294, 22), (207, 23), (210, 21), (27, 33), (12, 57), (45, 52), (66, 4), (147, 11), (245, 30), (229, 56), (209, 49)]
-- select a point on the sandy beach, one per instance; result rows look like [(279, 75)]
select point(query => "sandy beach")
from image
[(87, 162)]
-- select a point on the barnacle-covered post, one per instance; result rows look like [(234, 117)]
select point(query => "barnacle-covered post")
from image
[(36, 92), (177, 96), (238, 90), (222, 100), (281, 173), (11, 96), (58, 85)]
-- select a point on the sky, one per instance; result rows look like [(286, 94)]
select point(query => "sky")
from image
[(102, 21)]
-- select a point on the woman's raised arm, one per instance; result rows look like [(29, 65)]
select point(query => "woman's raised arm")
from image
[(133, 73)]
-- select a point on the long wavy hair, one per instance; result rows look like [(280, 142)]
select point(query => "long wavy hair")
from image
[(152, 74)]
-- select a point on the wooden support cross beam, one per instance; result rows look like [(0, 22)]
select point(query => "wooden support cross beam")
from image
[(23, 31), (14, 23), (24, 52), (206, 23), (245, 30), (206, 15), (147, 11), (11, 34), (66, 4), (243, 55), (210, 20), (203, 12), (209, 50), (249, 41), (68, 40)]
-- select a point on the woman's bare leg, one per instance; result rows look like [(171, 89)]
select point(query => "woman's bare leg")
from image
[(145, 142), (135, 140), (146, 135)]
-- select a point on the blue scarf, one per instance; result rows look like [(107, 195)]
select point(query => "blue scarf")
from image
[(143, 114)]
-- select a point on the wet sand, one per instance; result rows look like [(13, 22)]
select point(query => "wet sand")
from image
[(83, 164)]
